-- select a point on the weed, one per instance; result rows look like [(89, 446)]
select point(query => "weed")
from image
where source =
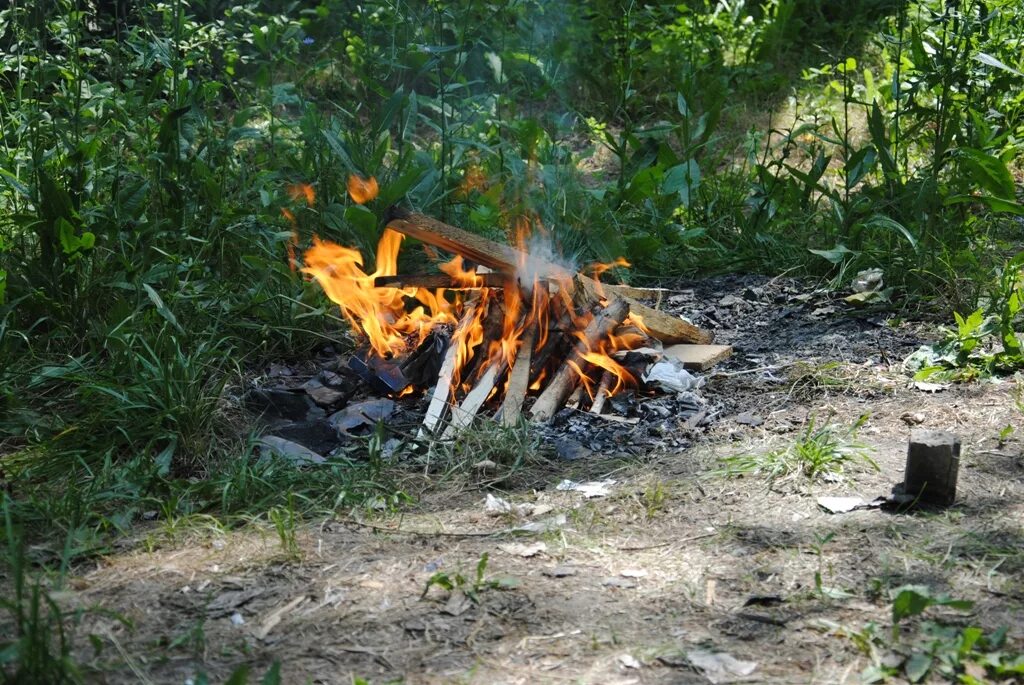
[(654, 498), (285, 524), (472, 586), (821, 452)]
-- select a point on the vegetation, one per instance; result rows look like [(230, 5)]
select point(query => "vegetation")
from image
[(161, 160), (820, 452)]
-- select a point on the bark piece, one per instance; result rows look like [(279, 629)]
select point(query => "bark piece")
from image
[(559, 388), (933, 460), (435, 281)]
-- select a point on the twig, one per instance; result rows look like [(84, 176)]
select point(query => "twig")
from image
[(727, 374), (692, 538), (426, 534)]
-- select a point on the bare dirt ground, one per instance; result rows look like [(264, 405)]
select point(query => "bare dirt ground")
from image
[(676, 558)]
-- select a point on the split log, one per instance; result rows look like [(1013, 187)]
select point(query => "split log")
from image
[(559, 388), (463, 414), (471, 246), (664, 327), (602, 393), (435, 281), (519, 380), (443, 389)]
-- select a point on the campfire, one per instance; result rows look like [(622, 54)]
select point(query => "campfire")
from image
[(499, 330)]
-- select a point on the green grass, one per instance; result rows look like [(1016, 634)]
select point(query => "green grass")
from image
[(821, 452)]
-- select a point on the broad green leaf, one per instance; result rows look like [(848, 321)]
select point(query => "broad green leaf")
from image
[(3, 285), (989, 173), (13, 181), (991, 61), (860, 165), (682, 179), (911, 601), (273, 676), (881, 221), (338, 148), (917, 667), (66, 234), (835, 255), (681, 105), (240, 676), (363, 223), (642, 246), (397, 189), (161, 308), (876, 126)]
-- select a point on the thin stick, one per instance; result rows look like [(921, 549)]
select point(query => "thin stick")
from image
[(602, 393)]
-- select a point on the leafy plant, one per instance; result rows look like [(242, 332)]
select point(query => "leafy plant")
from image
[(471, 587), (964, 654)]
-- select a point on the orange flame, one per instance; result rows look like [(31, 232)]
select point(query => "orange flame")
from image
[(394, 320), (380, 313), (362, 190)]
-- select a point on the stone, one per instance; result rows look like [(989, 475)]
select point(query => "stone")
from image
[(292, 451), (323, 395), (366, 413), (319, 435)]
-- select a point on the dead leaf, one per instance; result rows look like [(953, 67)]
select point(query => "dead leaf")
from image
[(521, 550), (457, 603)]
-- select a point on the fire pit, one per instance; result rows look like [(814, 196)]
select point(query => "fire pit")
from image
[(511, 331), (500, 332)]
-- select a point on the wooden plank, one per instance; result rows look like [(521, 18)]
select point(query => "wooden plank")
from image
[(471, 246), (435, 281), (698, 357), (562, 384), (443, 390), (656, 294), (519, 380)]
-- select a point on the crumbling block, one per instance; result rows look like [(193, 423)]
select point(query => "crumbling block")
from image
[(933, 461)]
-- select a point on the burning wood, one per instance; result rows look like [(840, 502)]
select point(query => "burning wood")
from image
[(533, 327)]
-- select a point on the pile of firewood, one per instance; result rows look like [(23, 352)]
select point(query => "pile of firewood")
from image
[(530, 334)]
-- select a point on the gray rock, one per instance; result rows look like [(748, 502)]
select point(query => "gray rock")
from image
[(292, 451), (366, 413)]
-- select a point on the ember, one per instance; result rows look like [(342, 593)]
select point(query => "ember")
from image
[(496, 325)]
